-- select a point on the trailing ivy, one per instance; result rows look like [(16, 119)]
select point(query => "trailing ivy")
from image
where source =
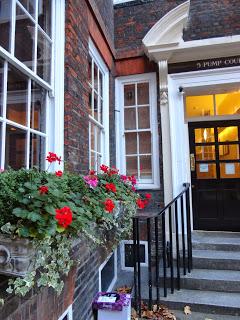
[(53, 209)]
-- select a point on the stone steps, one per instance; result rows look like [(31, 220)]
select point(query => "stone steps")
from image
[(205, 301), (216, 259), (224, 241), (213, 286)]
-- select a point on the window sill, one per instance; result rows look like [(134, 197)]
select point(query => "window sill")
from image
[(148, 187)]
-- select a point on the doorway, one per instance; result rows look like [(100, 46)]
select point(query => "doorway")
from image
[(215, 174)]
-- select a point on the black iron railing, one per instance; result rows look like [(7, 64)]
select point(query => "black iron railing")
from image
[(169, 242)]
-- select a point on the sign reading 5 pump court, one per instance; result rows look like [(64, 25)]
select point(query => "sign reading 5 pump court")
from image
[(204, 64)]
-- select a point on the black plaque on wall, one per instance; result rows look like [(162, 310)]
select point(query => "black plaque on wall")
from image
[(204, 64)]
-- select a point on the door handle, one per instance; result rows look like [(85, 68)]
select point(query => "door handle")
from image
[(192, 162)]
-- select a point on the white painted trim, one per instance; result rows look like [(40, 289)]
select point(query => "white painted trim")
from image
[(105, 94), (115, 271), (122, 254), (56, 103), (68, 312), (178, 129), (119, 125), (121, 1)]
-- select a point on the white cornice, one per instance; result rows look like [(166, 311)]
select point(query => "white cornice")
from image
[(164, 41), (169, 29)]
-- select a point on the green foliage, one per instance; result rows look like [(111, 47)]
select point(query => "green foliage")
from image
[(26, 212)]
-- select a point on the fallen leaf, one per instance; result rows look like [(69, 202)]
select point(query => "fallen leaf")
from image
[(187, 310)]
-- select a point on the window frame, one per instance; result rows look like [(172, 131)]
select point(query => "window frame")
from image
[(122, 254), (55, 89), (104, 126), (68, 313), (114, 254), (119, 126)]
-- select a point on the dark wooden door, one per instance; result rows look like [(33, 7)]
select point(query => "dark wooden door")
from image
[(215, 174)]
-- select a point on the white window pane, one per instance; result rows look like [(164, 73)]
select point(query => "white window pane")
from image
[(100, 117), (24, 38), (130, 118), (131, 166), (95, 74), (95, 161), (44, 15), (142, 93), (37, 151), (131, 143), (145, 167), (90, 107), (5, 23), (43, 57), (16, 146), (100, 83), (29, 5), (95, 106), (38, 108), (145, 142), (95, 138), (1, 86), (17, 96), (143, 118), (0, 144), (129, 95), (90, 80)]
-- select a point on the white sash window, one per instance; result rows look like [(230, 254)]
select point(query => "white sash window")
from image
[(98, 110), (31, 95), (137, 130)]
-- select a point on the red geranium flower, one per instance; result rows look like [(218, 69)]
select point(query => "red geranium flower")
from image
[(123, 177), (43, 189), (148, 196), (52, 157), (92, 172), (111, 187), (109, 205), (59, 173), (140, 203), (64, 216), (104, 168), (113, 171)]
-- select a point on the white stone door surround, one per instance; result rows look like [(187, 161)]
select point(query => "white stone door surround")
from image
[(177, 162)]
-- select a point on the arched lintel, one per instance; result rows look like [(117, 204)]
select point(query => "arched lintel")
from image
[(169, 29)]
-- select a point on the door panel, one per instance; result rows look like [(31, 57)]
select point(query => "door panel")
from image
[(215, 173)]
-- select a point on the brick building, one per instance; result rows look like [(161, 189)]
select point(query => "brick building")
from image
[(144, 85)]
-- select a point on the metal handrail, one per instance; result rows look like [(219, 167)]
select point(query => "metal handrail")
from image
[(181, 211)]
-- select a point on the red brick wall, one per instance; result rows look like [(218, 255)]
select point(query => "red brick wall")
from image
[(39, 304), (215, 18), (80, 26), (134, 19), (207, 19)]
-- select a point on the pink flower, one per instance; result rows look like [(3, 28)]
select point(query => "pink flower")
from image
[(91, 180)]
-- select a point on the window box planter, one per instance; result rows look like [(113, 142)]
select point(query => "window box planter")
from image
[(16, 256)]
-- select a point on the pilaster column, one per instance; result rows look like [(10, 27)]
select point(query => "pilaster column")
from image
[(165, 126)]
